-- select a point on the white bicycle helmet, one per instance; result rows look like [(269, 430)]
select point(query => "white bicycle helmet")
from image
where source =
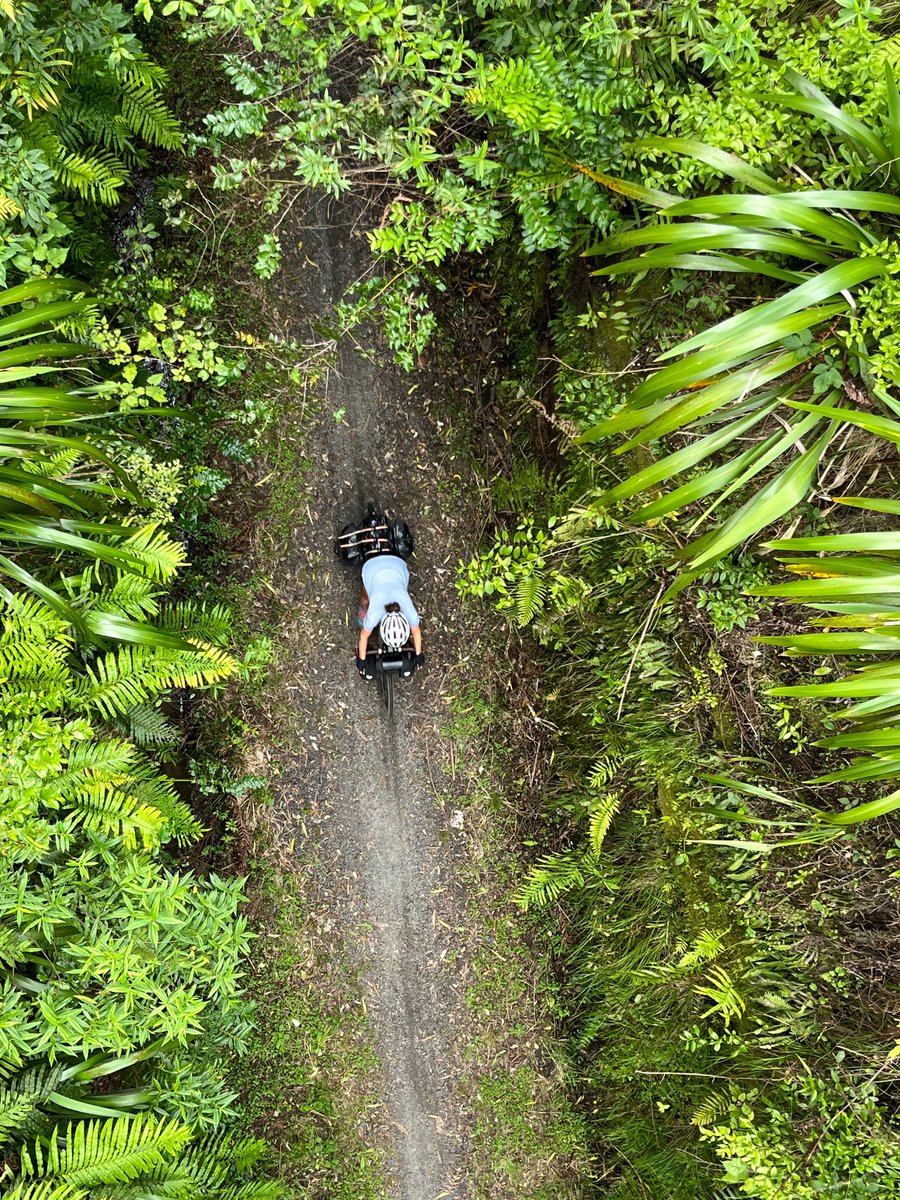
[(394, 631)]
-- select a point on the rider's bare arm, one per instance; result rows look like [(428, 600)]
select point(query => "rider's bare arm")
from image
[(363, 643)]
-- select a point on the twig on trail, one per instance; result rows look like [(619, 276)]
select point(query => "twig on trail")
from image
[(437, 794), (535, 766), (644, 631), (698, 1074)]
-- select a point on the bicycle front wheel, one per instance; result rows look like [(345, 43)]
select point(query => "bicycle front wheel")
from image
[(386, 685)]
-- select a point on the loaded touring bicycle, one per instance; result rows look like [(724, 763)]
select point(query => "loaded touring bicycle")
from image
[(392, 656)]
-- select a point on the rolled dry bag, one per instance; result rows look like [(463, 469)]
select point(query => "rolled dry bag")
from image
[(400, 538), (347, 547)]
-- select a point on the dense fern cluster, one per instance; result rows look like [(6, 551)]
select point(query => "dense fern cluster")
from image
[(80, 103), (114, 960), (143, 1157)]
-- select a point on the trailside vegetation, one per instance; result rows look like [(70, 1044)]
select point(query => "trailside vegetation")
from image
[(122, 968)]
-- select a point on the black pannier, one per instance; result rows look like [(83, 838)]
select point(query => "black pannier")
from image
[(347, 545), (400, 538)]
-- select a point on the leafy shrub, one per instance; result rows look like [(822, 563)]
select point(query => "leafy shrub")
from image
[(78, 103), (806, 1138)]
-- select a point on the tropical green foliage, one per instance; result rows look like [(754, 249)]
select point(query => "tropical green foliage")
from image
[(113, 958), (715, 900), (464, 119), (79, 101), (691, 969), (746, 379), (144, 1156), (120, 969)]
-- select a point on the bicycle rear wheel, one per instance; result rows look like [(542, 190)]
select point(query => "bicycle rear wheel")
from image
[(386, 687)]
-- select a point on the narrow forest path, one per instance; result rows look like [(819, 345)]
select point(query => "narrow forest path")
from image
[(366, 781)]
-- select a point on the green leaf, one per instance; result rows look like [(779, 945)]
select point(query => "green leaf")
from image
[(842, 278), (719, 160), (675, 260), (820, 106), (866, 812), (712, 237), (879, 426), (759, 334), (876, 504), (684, 459), (795, 210), (634, 191), (778, 497), (893, 120), (887, 541)]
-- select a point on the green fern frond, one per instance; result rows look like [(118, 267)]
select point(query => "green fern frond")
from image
[(146, 726), (29, 658), (776, 1003), (112, 792), (721, 989), (160, 556), (207, 623), (712, 1109), (888, 52), (97, 176), (94, 1153), (26, 611), (141, 72), (102, 809), (708, 944), (21, 1097), (53, 466), (130, 596), (603, 772), (259, 1190), (131, 675), (95, 123), (600, 816), (549, 878), (110, 758), (154, 789), (84, 242), (45, 1189), (531, 593), (591, 1025), (148, 116), (127, 676), (213, 1164), (8, 208)]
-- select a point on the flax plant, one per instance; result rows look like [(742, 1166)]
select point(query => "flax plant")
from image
[(744, 383)]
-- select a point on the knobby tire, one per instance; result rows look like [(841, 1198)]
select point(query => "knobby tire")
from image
[(386, 684)]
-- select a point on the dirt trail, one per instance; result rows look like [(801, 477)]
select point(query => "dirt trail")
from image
[(363, 779)]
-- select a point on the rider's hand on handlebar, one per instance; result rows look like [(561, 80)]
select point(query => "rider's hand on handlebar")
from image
[(361, 666), (420, 660)]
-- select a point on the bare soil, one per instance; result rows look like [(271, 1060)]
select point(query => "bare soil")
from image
[(353, 781)]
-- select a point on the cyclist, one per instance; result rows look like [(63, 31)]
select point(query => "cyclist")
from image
[(384, 595)]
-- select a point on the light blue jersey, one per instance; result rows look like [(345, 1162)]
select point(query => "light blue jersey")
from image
[(386, 579)]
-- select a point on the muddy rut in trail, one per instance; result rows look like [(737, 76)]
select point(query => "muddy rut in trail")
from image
[(366, 784)]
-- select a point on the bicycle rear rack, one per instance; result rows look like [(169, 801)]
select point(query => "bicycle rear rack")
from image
[(371, 539)]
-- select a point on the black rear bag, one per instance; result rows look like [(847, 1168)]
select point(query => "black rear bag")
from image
[(400, 538)]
